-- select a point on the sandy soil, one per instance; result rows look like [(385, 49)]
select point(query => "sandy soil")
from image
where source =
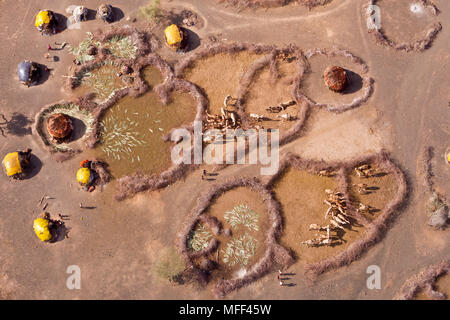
[(117, 245), (219, 76)]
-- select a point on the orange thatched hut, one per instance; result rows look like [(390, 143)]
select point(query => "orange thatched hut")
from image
[(59, 126), (335, 78)]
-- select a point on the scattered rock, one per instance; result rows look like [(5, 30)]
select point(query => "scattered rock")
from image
[(439, 218), (189, 18)]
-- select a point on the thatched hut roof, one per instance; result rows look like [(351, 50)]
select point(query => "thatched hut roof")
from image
[(59, 125), (335, 78)]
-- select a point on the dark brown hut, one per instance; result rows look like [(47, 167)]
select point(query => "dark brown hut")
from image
[(59, 126), (335, 78)]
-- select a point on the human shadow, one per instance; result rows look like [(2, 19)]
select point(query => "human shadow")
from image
[(61, 22), (289, 284), (34, 168), (193, 40), (211, 174), (354, 82), (117, 14), (44, 74), (88, 207)]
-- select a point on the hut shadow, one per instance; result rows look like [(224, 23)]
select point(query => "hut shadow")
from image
[(91, 15), (193, 40), (117, 14), (17, 126), (61, 231), (373, 188), (354, 82), (44, 74), (79, 129), (35, 167), (61, 22)]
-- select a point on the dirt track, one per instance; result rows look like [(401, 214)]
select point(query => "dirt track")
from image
[(116, 243)]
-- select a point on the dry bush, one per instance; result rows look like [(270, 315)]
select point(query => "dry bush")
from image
[(426, 281), (416, 46), (129, 186), (427, 156), (436, 205), (274, 3), (101, 168)]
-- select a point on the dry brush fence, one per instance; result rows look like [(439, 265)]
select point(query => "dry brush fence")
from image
[(416, 46)]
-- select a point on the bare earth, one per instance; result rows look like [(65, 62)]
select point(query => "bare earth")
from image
[(118, 244)]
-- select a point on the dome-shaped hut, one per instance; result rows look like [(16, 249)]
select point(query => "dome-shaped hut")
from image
[(335, 78), (59, 126)]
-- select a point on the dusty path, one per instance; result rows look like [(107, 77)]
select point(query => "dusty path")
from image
[(116, 244)]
